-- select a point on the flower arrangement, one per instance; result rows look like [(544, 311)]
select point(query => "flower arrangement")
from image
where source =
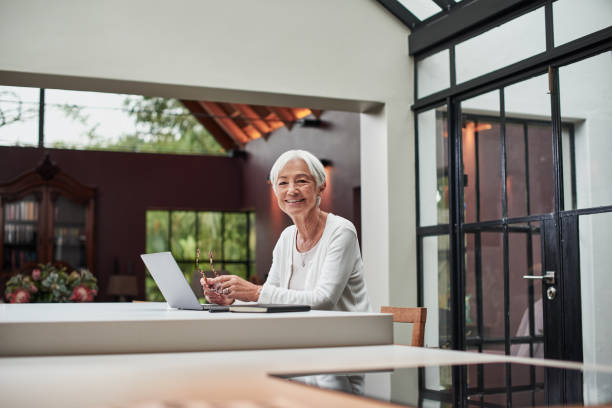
[(47, 283)]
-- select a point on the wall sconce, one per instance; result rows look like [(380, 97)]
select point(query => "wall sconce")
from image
[(326, 162)]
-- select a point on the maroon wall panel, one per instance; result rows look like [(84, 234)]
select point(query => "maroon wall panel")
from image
[(130, 183)]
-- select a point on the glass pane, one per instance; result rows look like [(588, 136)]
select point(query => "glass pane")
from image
[(69, 240), (209, 230), (19, 116), (529, 148), (574, 19), (568, 154), (473, 292), (595, 233), (481, 139), (433, 73), (585, 89), (252, 236), (235, 237), (152, 292), (237, 269), (436, 291), (438, 378), (183, 244), (105, 121), (494, 375), (192, 277), (20, 232), (484, 261), (526, 315), (433, 167), (75, 119), (157, 231), (501, 46), (422, 9), (484, 281)]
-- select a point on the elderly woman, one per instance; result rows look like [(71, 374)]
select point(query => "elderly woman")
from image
[(316, 261)]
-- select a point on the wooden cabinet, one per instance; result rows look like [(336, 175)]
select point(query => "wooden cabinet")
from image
[(46, 216)]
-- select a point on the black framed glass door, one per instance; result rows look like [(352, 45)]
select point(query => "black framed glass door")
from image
[(510, 227)]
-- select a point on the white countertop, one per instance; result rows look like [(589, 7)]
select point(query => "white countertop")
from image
[(110, 380), (108, 328), (129, 312)]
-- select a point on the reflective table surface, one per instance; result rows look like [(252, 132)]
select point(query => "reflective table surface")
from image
[(490, 385)]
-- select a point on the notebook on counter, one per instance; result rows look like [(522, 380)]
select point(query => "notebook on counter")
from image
[(265, 308)]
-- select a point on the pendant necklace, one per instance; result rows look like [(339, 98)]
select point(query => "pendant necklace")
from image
[(303, 254)]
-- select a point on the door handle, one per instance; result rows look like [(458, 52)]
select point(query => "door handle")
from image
[(548, 277)]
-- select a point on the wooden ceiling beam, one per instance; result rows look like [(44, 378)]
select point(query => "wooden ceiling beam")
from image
[(227, 142), (317, 113), (284, 114), (300, 113), (220, 116), (252, 117)]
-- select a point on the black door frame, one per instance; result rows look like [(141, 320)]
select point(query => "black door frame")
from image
[(560, 227)]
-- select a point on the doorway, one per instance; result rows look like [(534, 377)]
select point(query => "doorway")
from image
[(514, 213)]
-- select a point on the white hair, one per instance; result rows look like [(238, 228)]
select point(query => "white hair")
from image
[(317, 171)]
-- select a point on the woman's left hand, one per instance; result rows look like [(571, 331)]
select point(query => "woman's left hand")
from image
[(237, 288)]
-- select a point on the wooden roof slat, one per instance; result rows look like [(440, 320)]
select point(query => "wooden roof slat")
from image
[(251, 132), (284, 114), (300, 113), (210, 124), (220, 116), (234, 124), (316, 113), (252, 117)]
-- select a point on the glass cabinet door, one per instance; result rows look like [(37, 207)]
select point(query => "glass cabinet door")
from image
[(69, 236), (21, 229)]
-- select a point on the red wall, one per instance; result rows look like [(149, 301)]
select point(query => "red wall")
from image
[(130, 183)]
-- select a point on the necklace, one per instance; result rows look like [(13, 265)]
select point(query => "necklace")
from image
[(303, 258)]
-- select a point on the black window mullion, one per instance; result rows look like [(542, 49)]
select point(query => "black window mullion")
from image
[(197, 229), (248, 249), (502, 134), (41, 118), (418, 208), (506, 249), (526, 156), (477, 171), (170, 231), (453, 72), (573, 167), (457, 246), (223, 240), (548, 21)]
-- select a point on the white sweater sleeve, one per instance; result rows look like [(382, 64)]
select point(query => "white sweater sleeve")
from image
[(340, 260)]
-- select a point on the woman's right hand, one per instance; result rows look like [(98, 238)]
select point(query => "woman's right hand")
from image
[(213, 294)]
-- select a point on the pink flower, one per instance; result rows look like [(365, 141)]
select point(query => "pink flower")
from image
[(36, 274), (82, 294), (33, 289), (19, 296)]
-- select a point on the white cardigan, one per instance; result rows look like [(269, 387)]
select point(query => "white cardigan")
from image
[(335, 279)]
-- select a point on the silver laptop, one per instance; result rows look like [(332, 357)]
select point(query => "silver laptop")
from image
[(172, 283)]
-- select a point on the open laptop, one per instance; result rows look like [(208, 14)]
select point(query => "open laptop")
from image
[(172, 283)]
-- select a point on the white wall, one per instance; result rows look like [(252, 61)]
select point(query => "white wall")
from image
[(341, 54)]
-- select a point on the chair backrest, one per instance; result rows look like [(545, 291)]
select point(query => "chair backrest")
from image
[(415, 315)]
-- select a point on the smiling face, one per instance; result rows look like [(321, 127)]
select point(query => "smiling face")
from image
[(296, 189)]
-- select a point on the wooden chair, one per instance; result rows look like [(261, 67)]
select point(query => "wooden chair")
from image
[(415, 315)]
